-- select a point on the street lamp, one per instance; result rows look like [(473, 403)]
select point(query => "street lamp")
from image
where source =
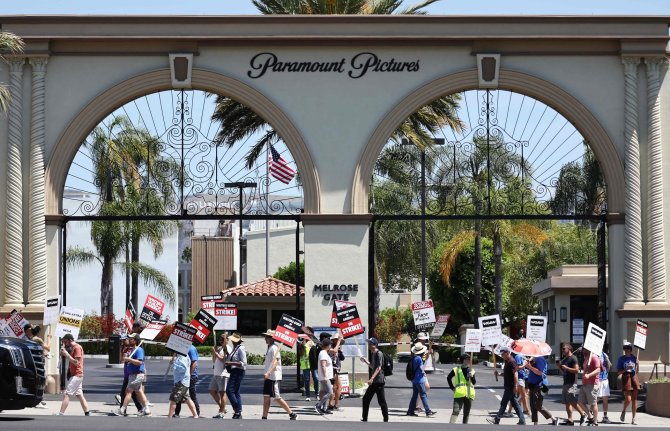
[(240, 185), (436, 141)]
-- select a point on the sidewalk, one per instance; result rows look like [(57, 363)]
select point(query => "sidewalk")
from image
[(306, 411)]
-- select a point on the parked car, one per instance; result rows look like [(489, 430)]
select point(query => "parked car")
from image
[(22, 374)]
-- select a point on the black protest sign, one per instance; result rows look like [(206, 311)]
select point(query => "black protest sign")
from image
[(203, 322), (181, 338), (349, 321), (287, 330)]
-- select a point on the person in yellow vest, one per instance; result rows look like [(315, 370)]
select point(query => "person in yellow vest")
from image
[(304, 346), (464, 388)]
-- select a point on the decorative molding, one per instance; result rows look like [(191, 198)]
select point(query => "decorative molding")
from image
[(37, 253), (633, 267), (335, 219), (181, 69), (656, 270), (488, 70), (55, 220), (14, 205), (616, 218)]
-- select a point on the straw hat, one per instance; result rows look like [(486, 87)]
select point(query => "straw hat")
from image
[(236, 337), (422, 336), (419, 349), (269, 333)]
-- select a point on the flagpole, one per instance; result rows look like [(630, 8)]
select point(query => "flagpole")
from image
[(267, 209)]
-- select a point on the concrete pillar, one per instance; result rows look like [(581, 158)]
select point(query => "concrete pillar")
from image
[(616, 282)]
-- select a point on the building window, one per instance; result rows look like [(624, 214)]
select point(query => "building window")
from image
[(251, 322)]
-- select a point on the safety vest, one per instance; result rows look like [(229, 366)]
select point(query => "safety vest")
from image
[(463, 387), (304, 359)]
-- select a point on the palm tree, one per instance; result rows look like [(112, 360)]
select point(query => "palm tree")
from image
[(9, 44), (239, 122)]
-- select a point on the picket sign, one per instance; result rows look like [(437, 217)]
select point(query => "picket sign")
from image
[(536, 328), (287, 330), (640, 340), (491, 330), (440, 326), (152, 310), (473, 340), (51, 309), (423, 314), (69, 322), (595, 339), (181, 338)]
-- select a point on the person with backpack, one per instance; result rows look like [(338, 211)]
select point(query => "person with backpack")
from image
[(417, 375), (604, 394), (464, 389), (378, 366), (537, 384)]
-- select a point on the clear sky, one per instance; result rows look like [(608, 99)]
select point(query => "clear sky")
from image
[(244, 7)]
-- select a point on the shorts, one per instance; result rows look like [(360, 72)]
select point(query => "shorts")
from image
[(522, 383), (588, 394), (75, 386), (218, 384), (570, 394), (135, 382), (179, 393), (271, 388), (604, 388)]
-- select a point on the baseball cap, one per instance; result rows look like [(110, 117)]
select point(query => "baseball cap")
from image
[(505, 349), (627, 345), (373, 341), (68, 337)]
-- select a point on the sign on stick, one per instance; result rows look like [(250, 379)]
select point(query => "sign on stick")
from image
[(424, 314), (287, 330), (440, 326), (349, 321), (69, 322), (151, 331), (473, 340), (51, 309), (152, 310), (226, 316), (181, 338), (203, 322), (641, 328), (491, 330), (595, 339), (338, 305), (536, 328)]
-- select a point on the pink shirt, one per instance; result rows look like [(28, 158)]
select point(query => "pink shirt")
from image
[(589, 367)]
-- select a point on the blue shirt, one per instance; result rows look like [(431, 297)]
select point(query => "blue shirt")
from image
[(193, 356), (419, 373), (137, 369), (182, 366), (626, 361), (523, 373), (603, 360), (540, 364)]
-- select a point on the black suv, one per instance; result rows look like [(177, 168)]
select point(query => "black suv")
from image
[(22, 376)]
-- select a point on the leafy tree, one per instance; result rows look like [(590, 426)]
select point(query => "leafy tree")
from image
[(287, 273), (9, 44)]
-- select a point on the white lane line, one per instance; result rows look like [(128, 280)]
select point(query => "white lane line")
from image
[(492, 391), (498, 397)]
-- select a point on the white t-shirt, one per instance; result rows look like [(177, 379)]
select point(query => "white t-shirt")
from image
[(219, 367), (273, 351), (324, 356)]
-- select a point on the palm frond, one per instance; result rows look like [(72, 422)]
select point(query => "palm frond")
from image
[(153, 279), (417, 9), (77, 256), (451, 253), (5, 97), (10, 44)]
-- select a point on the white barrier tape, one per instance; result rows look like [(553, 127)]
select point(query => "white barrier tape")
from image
[(93, 340), (399, 343)]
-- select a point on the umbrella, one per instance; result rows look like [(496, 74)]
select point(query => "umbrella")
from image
[(528, 347)]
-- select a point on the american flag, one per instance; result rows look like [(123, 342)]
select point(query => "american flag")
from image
[(278, 167)]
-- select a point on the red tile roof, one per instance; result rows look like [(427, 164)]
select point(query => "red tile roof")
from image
[(266, 287)]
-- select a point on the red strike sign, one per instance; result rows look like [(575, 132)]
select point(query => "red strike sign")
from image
[(154, 304), (128, 321), (338, 305), (287, 330), (203, 322), (350, 322)]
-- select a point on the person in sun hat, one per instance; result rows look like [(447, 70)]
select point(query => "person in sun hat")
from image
[(510, 380), (376, 381), (418, 381), (236, 365), (272, 375)]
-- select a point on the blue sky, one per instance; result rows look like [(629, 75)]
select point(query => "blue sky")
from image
[(244, 7)]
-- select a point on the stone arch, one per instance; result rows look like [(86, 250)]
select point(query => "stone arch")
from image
[(69, 142), (519, 82)]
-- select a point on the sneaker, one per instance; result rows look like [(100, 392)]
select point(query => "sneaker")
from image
[(58, 414), (264, 418), (337, 409), (175, 416), (87, 413), (521, 423), (195, 417), (318, 410), (418, 410), (364, 420), (567, 423), (411, 414), (605, 420), (237, 416), (117, 412), (623, 416), (308, 399), (582, 418), (430, 413), (293, 416), (150, 405), (117, 397), (554, 421), (494, 421), (508, 415), (633, 422), (218, 416), (327, 412), (145, 412), (41, 405)]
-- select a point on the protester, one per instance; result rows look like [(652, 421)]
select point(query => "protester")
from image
[(325, 377), (537, 384), (628, 368), (604, 392), (32, 333), (570, 392), (236, 364), (75, 384), (182, 384), (304, 351), (314, 367), (419, 381), (511, 381), (588, 393), (193, 356), (127, 350), (337, 356), (272, 375), (376, 381), (464, 390), (217, 387), (521, 390), (427, 358), (135, 367)]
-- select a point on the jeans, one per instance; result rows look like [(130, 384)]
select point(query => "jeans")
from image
[(536, 400), (508, 396), (378, 389), (315, 379), (464, 404), (233, 389), (306, 374), (191, 393), (418, 389), (134, 396), (327, 392)]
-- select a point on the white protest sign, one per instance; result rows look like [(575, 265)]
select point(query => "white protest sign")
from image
[(440, 326), (69, 321), (181, 338), (226, 316), (344, 383), (473, 340), (16, 322), (505, 341), (595, 339), (424, 314), (51, 309), (640, 340), (5, 329), (491, 330), (152, 329), (536, 328)]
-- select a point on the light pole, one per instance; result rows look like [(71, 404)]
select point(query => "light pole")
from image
[(436, 141), (240, 185)]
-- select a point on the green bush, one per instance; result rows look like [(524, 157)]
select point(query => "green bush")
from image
[(254, 359), (288, 358), (204, 350), (156, 350)]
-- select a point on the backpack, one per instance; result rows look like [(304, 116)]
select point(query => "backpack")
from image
[(314, 358), (387, 365), (409, 371)]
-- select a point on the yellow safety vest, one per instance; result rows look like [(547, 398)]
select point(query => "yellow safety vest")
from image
[(304, 359), (463, 387)]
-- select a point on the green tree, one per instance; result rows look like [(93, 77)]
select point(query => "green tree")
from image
[(287, 273), (9, 44)]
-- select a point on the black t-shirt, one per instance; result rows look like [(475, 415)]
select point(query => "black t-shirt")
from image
[(378, 361), (568, 377), (509, 371)]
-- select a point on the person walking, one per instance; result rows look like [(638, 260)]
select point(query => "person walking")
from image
[(569, 367), (134, 362), (588, 393), (419, 381), (193, 356), (75, 384), (217, 387), (628, 367), (604, 393), (236, 364), (511, 382), (272, 375), (182, 383), (537, 382), (127, 350), (314, 367), (304, 350), (464, 389), (337, 356), (521, 390), (32, 333), (325, 377), (376, 381)]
